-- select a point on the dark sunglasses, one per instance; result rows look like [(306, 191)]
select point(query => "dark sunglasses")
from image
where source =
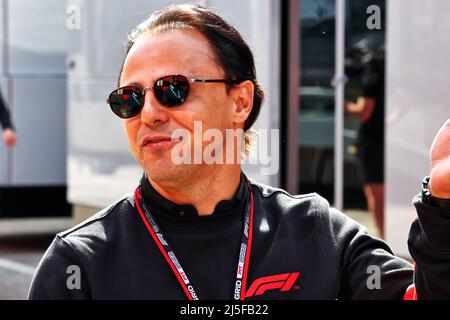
[(171, 91)]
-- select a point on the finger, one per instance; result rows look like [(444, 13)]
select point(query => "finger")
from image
[(440, 149)]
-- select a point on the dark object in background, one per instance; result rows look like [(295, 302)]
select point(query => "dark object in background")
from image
[(21, 202), (5, 119)]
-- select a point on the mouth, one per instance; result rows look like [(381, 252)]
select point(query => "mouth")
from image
[(154, 140), (157, 143)]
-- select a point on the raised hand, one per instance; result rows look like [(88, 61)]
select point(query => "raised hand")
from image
[(440, 163)]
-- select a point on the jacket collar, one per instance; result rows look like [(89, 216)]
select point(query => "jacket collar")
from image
[(161, 205)]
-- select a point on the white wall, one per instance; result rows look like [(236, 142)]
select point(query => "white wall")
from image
[(418, 87), (34, 88)]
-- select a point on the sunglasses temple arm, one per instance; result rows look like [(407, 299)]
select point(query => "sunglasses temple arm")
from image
[(209, 80)]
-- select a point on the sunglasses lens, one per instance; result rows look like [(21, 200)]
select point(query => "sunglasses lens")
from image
[(172, 91), (126, 102)]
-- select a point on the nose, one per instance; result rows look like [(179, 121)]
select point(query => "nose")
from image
[(153, 113)]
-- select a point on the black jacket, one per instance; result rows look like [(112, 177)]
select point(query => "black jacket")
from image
[(5, 119), (302, 249)]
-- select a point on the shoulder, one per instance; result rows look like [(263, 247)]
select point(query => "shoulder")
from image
[(102, 227), (83, 246), (309, 209), (310, 203)]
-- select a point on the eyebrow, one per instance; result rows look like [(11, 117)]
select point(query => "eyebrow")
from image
[(131, 84)]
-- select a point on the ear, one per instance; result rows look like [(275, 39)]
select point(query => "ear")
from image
[(243, 101)]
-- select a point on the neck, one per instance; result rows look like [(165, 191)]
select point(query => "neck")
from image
[(205, 191)]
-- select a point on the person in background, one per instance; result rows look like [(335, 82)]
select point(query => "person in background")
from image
[(369, 109), (9, 135)]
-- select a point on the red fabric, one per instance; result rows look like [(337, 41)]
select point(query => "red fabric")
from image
[(411, 293)]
